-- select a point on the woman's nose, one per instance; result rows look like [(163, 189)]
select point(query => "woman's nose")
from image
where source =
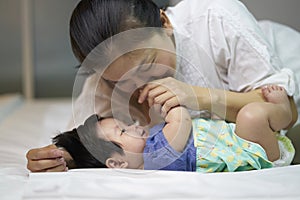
[(139, 81)]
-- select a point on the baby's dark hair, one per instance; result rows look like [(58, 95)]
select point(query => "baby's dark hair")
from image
[(86, 149), (94, 21)]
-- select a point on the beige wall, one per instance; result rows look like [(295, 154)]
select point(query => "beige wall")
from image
[(52, 58)]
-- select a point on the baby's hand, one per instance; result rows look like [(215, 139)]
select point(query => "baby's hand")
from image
[(169, 93)]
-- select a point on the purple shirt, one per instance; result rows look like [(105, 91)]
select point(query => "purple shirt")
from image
[(159, 155)]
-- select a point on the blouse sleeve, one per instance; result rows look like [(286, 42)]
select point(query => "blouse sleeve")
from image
[(243, 53)]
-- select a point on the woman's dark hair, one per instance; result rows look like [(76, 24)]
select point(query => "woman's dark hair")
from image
[(94, 21), (79, 141)]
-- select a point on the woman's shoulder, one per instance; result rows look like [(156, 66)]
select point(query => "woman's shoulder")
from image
[(187, 12), (200, 6)]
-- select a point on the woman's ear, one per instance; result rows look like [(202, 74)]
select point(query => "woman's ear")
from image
[(116, 163), (166, 23)]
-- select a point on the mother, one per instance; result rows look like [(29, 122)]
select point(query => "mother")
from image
[(222, 59)]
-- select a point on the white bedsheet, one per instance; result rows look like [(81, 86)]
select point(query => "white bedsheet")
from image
[(25, 125), (32, 124), (280, 183)]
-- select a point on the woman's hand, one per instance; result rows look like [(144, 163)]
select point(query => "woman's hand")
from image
[(46, 159), (169, 92)]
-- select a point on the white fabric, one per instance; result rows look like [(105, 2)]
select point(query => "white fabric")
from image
[(222, 46), (287, 153), (31, 125), (27, 125), (135, 184)]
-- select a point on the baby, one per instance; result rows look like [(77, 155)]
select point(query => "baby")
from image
[(182, 144)]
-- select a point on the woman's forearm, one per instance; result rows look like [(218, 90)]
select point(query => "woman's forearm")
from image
[(226, 104), (230, 103)]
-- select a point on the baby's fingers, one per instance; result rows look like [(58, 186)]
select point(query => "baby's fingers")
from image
[(149, 87), (166, 107)]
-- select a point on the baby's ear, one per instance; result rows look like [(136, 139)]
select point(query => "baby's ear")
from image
[(116, 163)]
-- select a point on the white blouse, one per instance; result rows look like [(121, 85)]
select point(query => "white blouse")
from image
[(221, 45)]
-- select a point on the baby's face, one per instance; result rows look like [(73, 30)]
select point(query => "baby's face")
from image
[(132, 138)]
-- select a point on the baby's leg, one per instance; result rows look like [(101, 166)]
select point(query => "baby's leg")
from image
[(257, 122)]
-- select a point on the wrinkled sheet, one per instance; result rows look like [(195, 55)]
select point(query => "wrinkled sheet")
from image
[(26, 125), (279, 183)]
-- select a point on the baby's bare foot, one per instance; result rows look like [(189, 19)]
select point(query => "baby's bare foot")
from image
[(277, 95)]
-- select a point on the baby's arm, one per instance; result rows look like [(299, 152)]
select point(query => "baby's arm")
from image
[(178, 127)]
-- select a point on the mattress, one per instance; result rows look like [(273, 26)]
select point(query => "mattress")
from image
[(25, 125), (31, 124), (280, 183)]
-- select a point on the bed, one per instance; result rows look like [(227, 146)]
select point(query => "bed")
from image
[(28, 124)]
